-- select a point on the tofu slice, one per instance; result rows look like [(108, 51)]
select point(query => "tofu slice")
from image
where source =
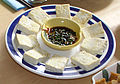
[(33, 38), (63, 11), (28, 26), (82, 17), (43, 52), (38, 15), (56, 63), (23, 42), (85, 60), (34, 57), (95, 30), (94, 45)]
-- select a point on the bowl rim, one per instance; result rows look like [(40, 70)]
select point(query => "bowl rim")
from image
[(59, 47)]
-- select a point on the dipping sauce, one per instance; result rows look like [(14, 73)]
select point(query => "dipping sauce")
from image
[(61, 35)]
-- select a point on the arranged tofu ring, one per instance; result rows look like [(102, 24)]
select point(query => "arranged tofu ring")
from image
[(91, 45)]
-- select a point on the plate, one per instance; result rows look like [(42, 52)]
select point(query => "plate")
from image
[(112, 68), (69, 72)]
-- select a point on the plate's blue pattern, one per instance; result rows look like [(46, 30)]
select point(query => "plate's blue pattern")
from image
[(70, 72)]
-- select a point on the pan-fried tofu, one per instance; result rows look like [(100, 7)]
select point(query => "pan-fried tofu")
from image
[(28, 26), (94, 45), (82, 17), (101, 81), (113, 82), (56, 63), (23, 41), (95, 30), (85, 60), (38, 15), (34, 57), (63, 11)]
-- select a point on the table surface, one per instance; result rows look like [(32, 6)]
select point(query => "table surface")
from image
[(12, 73)]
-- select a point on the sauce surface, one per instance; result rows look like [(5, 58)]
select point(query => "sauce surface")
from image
[(61, 35)]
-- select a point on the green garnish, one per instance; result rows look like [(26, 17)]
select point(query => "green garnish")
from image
[(118, 68), (105, 74)]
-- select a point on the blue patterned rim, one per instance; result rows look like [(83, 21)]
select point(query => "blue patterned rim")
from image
[(104, 61)]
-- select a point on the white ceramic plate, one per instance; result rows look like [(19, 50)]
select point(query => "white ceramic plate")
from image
[(69, 72), (112, 68)]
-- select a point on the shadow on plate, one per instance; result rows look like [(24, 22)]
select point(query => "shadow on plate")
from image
[(91, 5)]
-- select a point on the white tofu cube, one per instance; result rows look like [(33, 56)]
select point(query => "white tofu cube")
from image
[(56, 63), (38, 15), (63, 11), (94, 45), (85, 60), (28, 26), (34, 57), (43, 52), (33, 38), (23, 42), (94, 30), (82, 17)]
